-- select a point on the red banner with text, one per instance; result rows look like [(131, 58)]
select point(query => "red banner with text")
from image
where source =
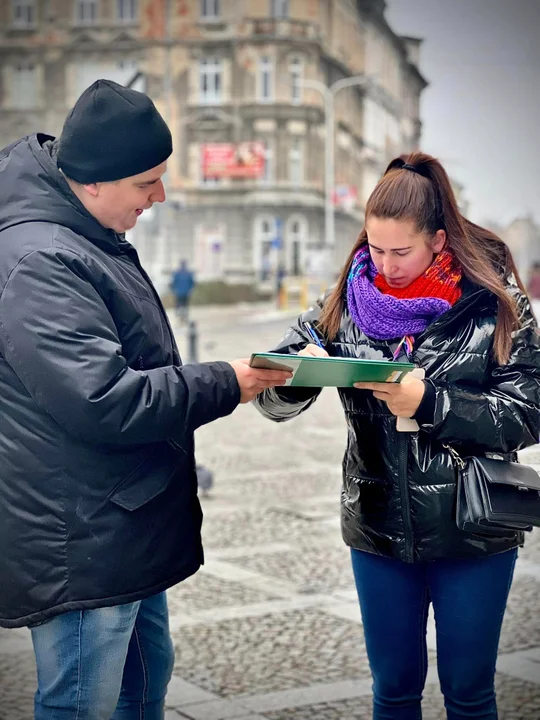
[(227, 160)]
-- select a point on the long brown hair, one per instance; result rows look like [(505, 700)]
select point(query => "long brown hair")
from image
[(422, 193)]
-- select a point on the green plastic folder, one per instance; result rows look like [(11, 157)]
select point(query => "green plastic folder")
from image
[(331, 371)]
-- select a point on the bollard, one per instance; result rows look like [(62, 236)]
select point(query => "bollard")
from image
[(304, 294), (193, 341)]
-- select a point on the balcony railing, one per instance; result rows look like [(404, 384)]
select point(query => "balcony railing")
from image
[(283, 28)]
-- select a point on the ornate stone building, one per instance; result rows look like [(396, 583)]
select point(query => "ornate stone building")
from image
[(241, 83)]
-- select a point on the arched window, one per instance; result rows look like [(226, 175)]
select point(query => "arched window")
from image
[(266, 246), (296, 242), (296, 72)]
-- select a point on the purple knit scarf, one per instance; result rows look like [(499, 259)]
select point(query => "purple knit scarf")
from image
[(384, 317)]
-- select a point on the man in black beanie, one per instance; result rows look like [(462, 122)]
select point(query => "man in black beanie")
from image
[(113, 151), (98, 489)]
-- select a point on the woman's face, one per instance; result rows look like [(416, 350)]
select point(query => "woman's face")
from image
[(400, 253)]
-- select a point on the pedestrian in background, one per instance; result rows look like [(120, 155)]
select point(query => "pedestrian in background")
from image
[(183, 284), (424, 283), (98, 489)]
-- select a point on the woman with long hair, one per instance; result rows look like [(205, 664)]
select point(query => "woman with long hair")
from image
[(425, 284)]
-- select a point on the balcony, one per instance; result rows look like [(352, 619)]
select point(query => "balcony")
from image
[(287, 28)]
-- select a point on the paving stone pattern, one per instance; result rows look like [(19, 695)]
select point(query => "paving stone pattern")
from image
[(270, 627)]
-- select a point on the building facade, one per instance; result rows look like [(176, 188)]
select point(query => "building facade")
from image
[(242, 86), (522, 236)]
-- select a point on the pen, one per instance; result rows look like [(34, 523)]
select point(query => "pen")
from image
[(313, 335)]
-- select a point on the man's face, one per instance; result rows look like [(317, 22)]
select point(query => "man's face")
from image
[(117, 205)]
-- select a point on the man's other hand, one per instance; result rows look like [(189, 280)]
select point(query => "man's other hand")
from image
[(253, 381)]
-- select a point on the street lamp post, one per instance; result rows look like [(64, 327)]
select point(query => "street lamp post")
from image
[(329, 93)]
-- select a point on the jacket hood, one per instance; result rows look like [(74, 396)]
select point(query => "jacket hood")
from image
[(32, 189)]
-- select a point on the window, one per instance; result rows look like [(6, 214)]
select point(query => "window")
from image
[(24, 13), (279, 8), (210, 73), (296, 70), (86, 12), (268, 177), (23, 90), (209, 250), (85, 73), (267, 246), (209, 9), (296, 162), (296, 241), (266, 79), (126, 11)]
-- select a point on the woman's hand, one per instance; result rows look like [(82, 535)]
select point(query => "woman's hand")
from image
[(313, 351), (402, 399)]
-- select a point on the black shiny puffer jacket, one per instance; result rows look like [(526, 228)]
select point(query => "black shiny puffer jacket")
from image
[(398, 497)]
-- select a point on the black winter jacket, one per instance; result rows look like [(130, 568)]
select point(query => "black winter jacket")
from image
[(398, 497), (98, 491)]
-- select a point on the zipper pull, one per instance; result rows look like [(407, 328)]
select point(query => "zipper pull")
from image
[(455, 456)]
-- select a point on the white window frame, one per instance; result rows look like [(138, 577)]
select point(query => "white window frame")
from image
[(86, 12), (24, 75), (279, 9), (23, 13), (296, 163), (269, 176), (299, 238), (210, 73), (84, 73), (210, 9), (263, 237), (127, 11), (296, 72), (267, 91)]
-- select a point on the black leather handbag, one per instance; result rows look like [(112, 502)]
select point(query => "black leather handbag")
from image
[(496, 497)]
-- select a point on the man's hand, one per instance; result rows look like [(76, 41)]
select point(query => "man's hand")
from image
[(253, 381), (313, 351), (402, 398)]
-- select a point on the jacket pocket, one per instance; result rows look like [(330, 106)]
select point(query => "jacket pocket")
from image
[(148, 480)]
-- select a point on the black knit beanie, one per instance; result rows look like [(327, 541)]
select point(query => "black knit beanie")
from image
[(112, 132)]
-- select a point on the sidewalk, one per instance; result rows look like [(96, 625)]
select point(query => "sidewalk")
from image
[(270, 628), (240, 312)]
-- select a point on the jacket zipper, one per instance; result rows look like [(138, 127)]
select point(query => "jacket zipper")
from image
[(403, 441), (450, 316)]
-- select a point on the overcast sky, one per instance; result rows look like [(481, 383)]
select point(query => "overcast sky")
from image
[(481, 111)]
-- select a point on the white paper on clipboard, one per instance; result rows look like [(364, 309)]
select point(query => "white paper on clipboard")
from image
[(408, 424)]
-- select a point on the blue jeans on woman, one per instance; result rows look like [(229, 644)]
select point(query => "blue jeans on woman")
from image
[(111, 663), (469, 599)]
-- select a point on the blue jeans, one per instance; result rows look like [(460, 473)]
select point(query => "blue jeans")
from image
[(111, 663), (469, 599)]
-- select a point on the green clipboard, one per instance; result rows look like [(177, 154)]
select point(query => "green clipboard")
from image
[(331, 371)]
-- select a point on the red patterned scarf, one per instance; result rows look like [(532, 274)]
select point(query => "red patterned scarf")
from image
[(441, 280), (384, 313)]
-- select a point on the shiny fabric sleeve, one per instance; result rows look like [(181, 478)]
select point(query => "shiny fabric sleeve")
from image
[(506, 416), (60, 339), (285, 403)]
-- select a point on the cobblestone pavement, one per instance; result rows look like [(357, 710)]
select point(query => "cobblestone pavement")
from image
[(270, 627)]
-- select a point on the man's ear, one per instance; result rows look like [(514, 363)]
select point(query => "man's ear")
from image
[(92, 189), (439, 241)]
